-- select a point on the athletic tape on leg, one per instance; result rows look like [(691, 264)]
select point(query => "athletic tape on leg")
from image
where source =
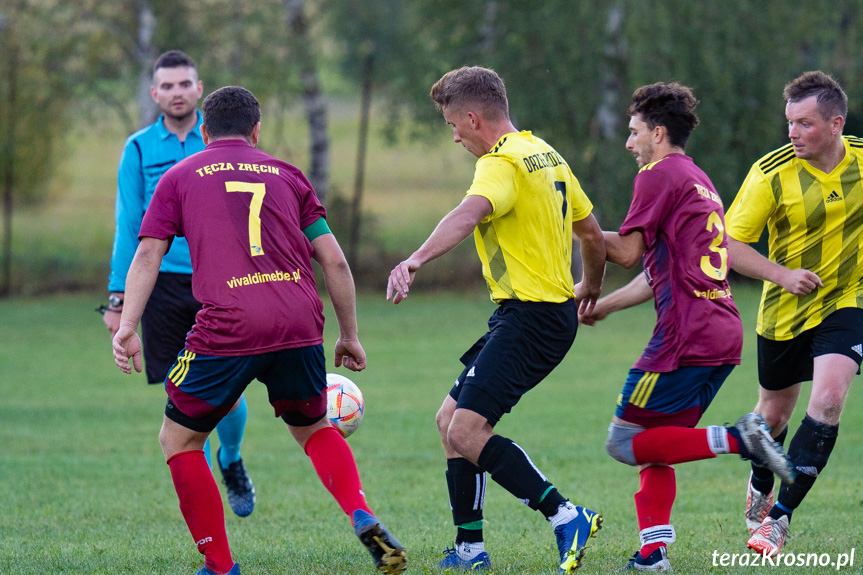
[(657, 534)]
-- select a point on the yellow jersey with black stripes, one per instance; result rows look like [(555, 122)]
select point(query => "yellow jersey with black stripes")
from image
[(814, 222), (525, 244)]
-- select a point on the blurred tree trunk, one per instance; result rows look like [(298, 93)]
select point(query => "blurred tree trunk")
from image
[(316, 106), (9, 156), (145, 53), (614, 48), (365, 112)]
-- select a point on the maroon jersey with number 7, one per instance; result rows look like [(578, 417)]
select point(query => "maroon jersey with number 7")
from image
[(243, 213)]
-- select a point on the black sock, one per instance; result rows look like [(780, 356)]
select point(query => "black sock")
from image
[(809, 451), (466, 484), (512, 469), (762, 477)]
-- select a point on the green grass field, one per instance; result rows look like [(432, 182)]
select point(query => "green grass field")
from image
[(84, 487)]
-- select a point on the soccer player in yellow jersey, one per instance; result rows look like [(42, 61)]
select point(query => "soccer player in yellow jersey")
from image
[(809, 194), (523, 207)]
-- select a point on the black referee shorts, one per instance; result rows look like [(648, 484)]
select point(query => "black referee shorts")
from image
[(524, 342), (782, 364), (168, 317)]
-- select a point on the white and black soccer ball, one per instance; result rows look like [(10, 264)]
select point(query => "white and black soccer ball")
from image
[(345, 404)]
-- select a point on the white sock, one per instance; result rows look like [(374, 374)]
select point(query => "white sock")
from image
[(467, 551), (565, 513), (717, 439)]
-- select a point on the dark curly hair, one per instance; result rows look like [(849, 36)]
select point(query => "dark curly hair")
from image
[(669, 105)]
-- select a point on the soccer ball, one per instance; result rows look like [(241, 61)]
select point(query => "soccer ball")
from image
[(345, 404)]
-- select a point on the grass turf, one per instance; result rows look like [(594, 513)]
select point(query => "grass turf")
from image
[(84, 487)]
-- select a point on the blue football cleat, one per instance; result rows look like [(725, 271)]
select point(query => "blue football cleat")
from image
[(241, 492), (478, 562), (388, 554), (235, 570), (572, 537)]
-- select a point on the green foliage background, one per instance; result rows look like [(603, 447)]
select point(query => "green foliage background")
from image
[(570, 68)]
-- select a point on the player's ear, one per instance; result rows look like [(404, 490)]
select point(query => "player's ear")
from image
[(204, 135), (256, 132)]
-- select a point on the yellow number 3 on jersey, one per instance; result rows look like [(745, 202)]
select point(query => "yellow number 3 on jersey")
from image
[(714, 221)]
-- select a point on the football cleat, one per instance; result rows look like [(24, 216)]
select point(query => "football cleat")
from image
[(758, 505), (478, 562), (757, 445), (572, 537), (769, 537), (241, 492), (388, 554), (656, 561), (235, 570)]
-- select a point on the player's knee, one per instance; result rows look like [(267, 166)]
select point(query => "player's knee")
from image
[(442, 421), (456, 437), (619, 442)]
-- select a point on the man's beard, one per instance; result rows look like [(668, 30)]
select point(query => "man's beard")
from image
[(179, 117)]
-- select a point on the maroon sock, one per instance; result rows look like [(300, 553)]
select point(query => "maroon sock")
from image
[(334, 462), (201, 505)]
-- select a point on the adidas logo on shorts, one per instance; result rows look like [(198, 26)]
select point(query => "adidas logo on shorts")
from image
[(858, 348)]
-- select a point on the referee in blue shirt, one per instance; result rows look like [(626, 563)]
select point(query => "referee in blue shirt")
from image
[(170, 313)]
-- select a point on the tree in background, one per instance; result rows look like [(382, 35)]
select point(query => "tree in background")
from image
[(571, 67), (33, 107)]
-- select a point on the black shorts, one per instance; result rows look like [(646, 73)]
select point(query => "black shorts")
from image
[(782, 364), (167, 318), (524, 342)]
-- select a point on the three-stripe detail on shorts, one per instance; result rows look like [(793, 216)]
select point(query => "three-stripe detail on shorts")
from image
[(181, 370), (643, 389)]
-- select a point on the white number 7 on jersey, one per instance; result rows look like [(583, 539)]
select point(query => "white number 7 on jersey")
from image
[(258, 191)]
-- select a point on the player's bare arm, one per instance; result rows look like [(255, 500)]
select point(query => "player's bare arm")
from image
[(625, 251), (635, 292), (139, 284), (747, 261), (340, 285), (593, 253), (450, 231)]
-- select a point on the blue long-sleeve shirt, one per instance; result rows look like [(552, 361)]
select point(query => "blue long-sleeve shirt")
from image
[(147, 155)]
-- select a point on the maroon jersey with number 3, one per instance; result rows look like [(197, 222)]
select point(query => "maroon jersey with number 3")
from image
[(243, 213), (680, 215)]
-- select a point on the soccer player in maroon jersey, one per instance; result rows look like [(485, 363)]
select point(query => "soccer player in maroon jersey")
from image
[(253, 224), (675, 227)]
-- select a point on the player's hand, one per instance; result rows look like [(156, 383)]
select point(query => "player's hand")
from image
[(350, 354), (800, 282), (127, 345), (599, 312), (586, 298), (400, 280), (111, 320)]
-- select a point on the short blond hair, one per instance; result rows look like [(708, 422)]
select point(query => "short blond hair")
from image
[(471, 85)]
